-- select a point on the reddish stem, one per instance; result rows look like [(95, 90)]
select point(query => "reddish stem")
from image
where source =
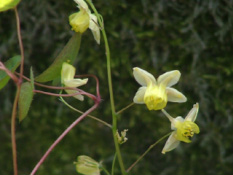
[(62, 136), (9, 73), (69, 88), (96, 79), (20, 44)]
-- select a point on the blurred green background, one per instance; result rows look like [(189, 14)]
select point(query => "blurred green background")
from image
[(195, 37)]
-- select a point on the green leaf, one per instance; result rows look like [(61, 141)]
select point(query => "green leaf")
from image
[(25, 99), (12, 65), (68, 54)]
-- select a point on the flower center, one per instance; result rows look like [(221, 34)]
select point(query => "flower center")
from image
[(186, 130), (155, 97)]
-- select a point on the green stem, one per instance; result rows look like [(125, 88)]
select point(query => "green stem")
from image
[(95, 118), (123, 109), (106, 171), (114, 117), (113, 163), (151, 146)]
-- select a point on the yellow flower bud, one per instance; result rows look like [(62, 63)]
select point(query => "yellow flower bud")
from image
[(79, 21), (8, 4), (87, 166)]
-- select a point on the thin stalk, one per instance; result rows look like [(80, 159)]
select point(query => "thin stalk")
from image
[(105, 170), (150, 147), (13, 137), (123, 109), (91, 116), (79, 92), (62, 136), (168, 115), (113, 164), (20, 43), (114, 116), (14, 110)]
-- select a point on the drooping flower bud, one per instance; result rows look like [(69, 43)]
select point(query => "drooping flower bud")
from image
[(87, 166)]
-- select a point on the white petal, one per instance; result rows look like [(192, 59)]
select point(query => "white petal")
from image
[(82, 4), (93, 25), (79, 97), (96, 35), (192, 115), (93, 22), (169, 78), (143, 77), (67, 72), (172, 120), (171, 143), (75, 82), (139, 96), (175, 96)]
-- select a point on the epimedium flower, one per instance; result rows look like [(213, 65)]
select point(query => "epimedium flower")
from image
[(87, 166), (156, 94), (184, 129), (84, 19), (67, 79), (8, 4)]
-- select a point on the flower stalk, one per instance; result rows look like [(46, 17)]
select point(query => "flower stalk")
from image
[(62, 136), (151, 146), (114, 115)]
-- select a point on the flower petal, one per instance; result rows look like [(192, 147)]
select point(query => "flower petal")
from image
[(93, 25), (175, 96), (139, 96), (192, 115), (82, 4), (79, 97), (143, 77), (176, 122), (67, 72), (171, 143), (169, 78), (75, 82), (79, 21)]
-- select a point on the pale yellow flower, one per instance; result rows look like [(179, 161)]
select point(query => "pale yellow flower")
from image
[(67, 78), (156, 94), (87, 166), (84, 19), (184, 129), (8, 4)]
